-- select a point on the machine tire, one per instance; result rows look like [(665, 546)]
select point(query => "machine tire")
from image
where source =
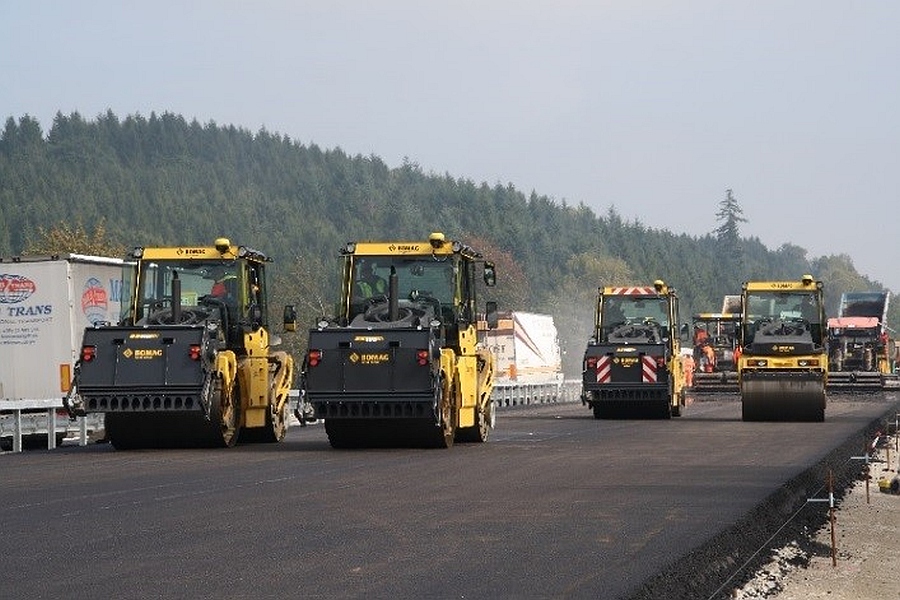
[(484, 424), (276, 426), (224, 414), (445, 432), (123, 433), (343, 433)]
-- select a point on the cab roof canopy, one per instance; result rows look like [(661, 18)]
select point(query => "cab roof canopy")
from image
[(436, 244), (222, 248)]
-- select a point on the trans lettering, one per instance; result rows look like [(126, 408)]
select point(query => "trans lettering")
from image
[(29, 311)]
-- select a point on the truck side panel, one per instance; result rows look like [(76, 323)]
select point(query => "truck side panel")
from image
[(44, 309), (526, 347)]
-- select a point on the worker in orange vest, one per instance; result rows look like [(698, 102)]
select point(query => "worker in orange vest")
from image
[(688, 365), (709, 358)]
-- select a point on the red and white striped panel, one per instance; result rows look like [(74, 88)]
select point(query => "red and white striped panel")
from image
[(604, 369), (631, 291), (648, 369)]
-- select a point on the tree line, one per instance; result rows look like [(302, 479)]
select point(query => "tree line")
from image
[(111, 183)]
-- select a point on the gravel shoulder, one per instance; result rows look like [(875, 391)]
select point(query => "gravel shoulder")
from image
[(867, 534)]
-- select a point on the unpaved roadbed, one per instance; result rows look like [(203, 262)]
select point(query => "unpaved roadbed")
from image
[(867, 533)]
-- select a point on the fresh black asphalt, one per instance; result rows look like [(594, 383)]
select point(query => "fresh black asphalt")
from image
[(555, 505)]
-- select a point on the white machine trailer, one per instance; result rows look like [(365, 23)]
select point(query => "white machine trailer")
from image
[(45, 305), (528, 359)]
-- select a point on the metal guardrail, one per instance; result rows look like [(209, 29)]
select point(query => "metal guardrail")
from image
[(524, 394), (16, 425)]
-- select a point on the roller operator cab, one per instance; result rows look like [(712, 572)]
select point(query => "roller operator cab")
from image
[(783, 367), (715, 352), (632, 365), (191, 362), (401, 364)]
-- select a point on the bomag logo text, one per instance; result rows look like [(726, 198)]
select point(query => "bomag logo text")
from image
[(143, 353), (404, 248), (782, 349), (194, 251), (626, 361), (370, 358)]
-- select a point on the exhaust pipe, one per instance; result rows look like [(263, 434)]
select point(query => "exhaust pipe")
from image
[(394, 299), (176, 299)]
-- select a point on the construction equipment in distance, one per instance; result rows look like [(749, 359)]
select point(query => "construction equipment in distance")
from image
[(191, 361), (632, 364), (859, 345), (719, 332), (783, 367), (401, 363)]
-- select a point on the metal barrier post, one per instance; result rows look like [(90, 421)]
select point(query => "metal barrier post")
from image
[(17, 430), (82, 431), (51, 428)]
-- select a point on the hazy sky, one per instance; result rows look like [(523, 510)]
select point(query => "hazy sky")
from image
[(654, 107)]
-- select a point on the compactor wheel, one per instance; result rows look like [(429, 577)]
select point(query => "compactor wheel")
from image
[(279, 423), (126, 432), (484, 423), (782, 401), (224, 413), (445, 432), (351, 433), (275, 428)]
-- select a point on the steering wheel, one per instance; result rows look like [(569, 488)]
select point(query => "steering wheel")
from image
[(376, 300), (164, 317)]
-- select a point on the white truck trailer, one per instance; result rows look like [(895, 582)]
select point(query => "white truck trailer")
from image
[(45, 305), (528, 358)]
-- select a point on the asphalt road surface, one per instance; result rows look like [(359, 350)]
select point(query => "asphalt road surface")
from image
[(555, 505)]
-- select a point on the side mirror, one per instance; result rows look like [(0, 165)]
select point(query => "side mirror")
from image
[(490, 276), (491, 316), (290, 318)]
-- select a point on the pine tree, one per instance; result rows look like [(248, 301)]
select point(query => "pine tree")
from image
[(728, 238), (729, 216)]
